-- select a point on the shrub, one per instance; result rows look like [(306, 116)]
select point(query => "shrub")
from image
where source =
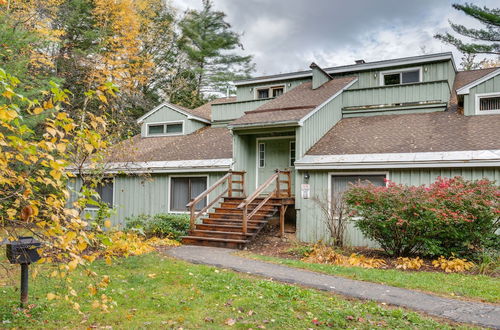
[(160, 225), (450, 216)]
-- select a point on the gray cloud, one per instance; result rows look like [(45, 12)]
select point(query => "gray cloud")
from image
[(287, 35)]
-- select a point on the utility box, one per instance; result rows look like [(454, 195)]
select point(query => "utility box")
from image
[(23, 251)]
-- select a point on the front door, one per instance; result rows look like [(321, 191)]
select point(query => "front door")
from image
[(272, 154)]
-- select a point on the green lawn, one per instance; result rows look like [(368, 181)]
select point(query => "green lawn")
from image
[(478, 287), (190, 296)]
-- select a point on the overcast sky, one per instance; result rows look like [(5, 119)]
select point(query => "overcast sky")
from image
[(287, 35)]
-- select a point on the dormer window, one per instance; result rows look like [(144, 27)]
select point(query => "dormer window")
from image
[(399, 77), (488, 103), (164, 129), (268, 92)]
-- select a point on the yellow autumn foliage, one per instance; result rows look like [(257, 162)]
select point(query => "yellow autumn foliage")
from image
[(131, 244), (452, 265), (409, 263), (323, 254)]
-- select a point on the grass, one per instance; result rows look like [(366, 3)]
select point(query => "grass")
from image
[(477, 287), (192, 296)]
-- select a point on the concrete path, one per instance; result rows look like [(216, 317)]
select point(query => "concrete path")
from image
[(456, 310)]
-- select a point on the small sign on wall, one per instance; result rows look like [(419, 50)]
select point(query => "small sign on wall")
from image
[(305, 190)]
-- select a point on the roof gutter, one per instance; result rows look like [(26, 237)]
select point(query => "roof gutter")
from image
[(287, 123), (173, 166), (476, 158)]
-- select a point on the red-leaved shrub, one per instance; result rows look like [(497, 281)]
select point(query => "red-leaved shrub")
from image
[(450, 216)]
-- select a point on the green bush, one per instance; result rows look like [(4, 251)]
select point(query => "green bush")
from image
[(160, 225), (449, 217)]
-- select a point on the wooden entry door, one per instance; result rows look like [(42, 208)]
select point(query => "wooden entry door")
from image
[(272, 154)]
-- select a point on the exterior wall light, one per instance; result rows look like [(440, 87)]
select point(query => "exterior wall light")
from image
[(306, 177)]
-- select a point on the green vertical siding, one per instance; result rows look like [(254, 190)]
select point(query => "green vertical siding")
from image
[(490, 86), (409, 93), (165, 114), (319, 77), (310, 223), (233, 110), (430, 72), (317, 125), (145, 194)]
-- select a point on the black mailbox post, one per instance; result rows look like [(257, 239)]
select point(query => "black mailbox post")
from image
[(23, 252)]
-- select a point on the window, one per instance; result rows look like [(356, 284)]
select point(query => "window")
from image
[(277, 91), (488, 103), (263, 93), (274, 91), (292, 153), (165, 129), (340, 183), (105, 192), (262, 155), (185, 189), (406, 76)]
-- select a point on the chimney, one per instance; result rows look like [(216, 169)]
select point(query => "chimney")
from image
[(360, 61), (319, 76)]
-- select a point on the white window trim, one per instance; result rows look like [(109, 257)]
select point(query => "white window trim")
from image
[(486, 112), (290, 153), (348, 173), (258, 155), (94, 208), (169, 198), (270, 90), (165, 123), (382, 73)]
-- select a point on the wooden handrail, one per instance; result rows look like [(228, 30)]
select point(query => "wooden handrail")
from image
[(229, 190), (277, 192)]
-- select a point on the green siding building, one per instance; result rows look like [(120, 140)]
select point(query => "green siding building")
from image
[(408, 120)]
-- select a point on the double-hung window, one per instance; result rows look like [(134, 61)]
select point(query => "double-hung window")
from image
[(160, 129), (270, 92), (405, 76), (185, 189)]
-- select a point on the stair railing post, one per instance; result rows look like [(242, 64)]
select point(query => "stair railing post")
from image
[(230, 185), (243, 187), (192, 216), (278, 183), (245, 216), (282, 220), (289, 178)]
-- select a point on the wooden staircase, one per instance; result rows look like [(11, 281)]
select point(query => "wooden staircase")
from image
[(237, 219)]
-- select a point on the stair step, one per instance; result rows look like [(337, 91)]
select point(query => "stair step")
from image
[(219, 215), (220, 234), (251, 221), (232, 228), (212, 241)]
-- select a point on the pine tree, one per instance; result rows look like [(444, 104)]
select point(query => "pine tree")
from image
[(485, 40), (210, 44)]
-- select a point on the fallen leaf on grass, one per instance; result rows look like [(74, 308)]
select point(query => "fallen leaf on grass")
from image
[(209, 320), (151, 275), (230, 322)]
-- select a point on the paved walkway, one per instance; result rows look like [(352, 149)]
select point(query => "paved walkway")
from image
[(456, 310)]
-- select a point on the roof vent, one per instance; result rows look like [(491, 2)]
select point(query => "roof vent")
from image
[(360, 61)]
